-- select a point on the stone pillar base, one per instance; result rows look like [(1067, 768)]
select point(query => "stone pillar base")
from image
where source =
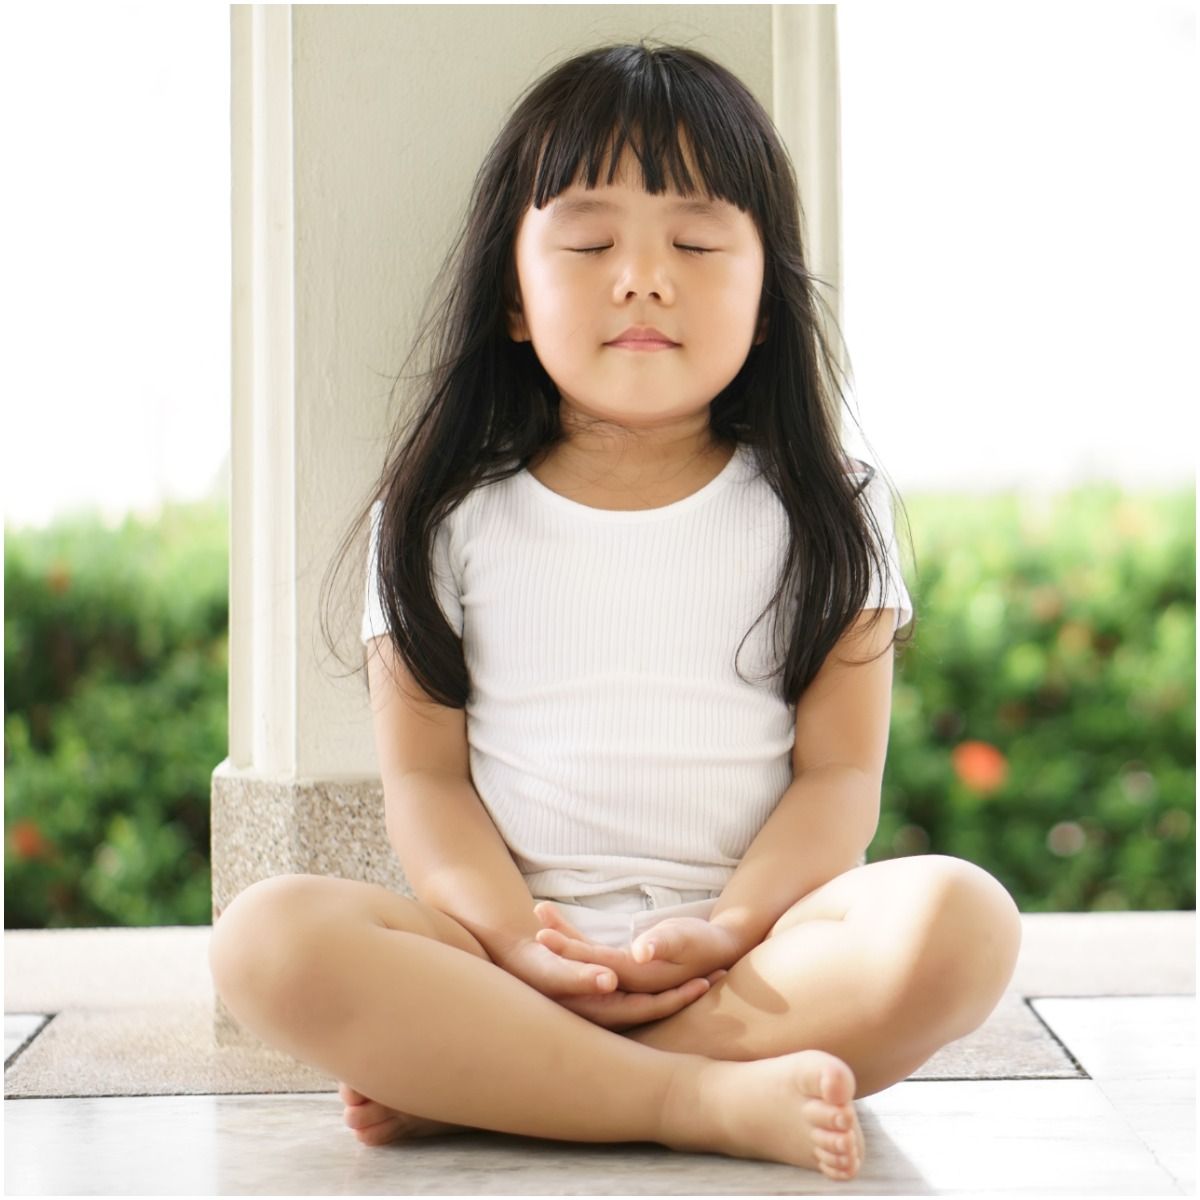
[(264, 827)]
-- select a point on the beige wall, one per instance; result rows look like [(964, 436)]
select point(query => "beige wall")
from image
[(358, 131)]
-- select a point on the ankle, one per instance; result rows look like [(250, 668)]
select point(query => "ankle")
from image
[(689, 1113)]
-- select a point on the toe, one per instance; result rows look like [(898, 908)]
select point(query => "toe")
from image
[(827, 1116), (837, 1082), (814, 1065), (830, 1140), (831, 1167), (349, 1095), (363, 1116), (825, 1076), (824, 1158), (378, 1134)]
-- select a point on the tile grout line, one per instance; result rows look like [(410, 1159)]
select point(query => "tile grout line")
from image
[(1028, 1002), (46, 1019)]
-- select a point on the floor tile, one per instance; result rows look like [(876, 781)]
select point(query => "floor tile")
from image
[(1141, 1053), (1013, 1137)]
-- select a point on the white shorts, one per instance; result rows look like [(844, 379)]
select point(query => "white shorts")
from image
[(616, 918)]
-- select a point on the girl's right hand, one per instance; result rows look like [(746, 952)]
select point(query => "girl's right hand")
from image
[(578, 986)]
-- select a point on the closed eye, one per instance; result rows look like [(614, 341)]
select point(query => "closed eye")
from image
[(598, 249)]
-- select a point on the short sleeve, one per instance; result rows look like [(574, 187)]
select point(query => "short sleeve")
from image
[(892, 592), (374, 623)]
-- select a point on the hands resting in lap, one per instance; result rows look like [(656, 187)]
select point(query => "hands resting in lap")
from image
[(660, 972)]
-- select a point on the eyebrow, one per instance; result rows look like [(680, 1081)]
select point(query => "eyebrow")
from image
[(563, 210)]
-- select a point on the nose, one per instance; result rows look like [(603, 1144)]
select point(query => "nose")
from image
[(643, 273)]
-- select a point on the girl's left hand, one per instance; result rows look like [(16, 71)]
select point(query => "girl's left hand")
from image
[(671, 952)]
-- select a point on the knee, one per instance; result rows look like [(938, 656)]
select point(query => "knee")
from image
[(969, 936), (974, 897), (264, 941)]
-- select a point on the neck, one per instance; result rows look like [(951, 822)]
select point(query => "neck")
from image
[(607, 455)]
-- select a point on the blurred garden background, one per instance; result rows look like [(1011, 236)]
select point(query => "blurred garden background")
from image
[(1040, 434), (1043, 721)]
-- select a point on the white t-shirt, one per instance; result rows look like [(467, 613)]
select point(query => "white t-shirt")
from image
[(611, 739)]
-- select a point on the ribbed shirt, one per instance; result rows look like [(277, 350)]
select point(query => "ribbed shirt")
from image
[(611, 738)]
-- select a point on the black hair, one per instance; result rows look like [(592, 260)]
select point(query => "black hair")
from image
[(487, 408)]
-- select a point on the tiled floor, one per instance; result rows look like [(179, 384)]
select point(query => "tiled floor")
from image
[(20, 1028), (1129, 1130)]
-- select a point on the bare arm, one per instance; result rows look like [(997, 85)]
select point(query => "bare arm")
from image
[(452, 854), (830, 812), (455, 860)]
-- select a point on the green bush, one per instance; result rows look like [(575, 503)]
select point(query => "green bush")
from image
[(1043, 720), (115, 666)]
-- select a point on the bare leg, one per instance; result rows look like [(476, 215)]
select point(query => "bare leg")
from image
[(426, 1028), (881, 967)]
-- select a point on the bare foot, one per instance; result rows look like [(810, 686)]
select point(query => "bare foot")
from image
[(375, 1124), (797, 1109)]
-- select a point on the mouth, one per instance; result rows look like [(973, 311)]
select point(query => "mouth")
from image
[(643, 344), (642, 337)]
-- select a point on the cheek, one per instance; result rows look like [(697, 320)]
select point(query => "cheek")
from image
[(550, 291), (741, 292)]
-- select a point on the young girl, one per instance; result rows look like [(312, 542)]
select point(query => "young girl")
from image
[(629, 619)]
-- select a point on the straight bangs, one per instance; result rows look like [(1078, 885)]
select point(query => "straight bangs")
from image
[(688, 130)]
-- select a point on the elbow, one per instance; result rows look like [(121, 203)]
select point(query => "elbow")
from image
[(868, 837), (871, 809)]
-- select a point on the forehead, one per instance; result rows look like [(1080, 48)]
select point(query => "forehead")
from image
[(568, 206)]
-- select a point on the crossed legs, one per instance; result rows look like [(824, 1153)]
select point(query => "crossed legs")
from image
[(403, 1004)]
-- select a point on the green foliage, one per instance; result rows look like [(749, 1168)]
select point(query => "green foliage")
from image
[(115, 666), (1043, 721)]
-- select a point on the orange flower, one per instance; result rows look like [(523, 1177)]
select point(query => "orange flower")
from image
[(27, 840), (979, 765), (59, 577)]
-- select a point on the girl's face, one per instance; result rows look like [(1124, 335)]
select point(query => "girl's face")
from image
[(646, 271)]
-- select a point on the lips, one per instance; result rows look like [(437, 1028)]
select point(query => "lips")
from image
[(642, 335)]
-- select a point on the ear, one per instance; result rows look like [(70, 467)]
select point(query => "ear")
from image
[(517, 329), (761, 336)]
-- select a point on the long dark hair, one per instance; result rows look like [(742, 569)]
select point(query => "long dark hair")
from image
[(487, 407)]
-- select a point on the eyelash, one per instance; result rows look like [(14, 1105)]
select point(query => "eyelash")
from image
[(685, 249)]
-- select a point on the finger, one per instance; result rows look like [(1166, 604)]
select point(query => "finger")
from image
[(672, 1000), (646, 949), (574, 978), (582, 951), (553, 919), (552, 939), (595, 980), (660, 945), (636, 1008)]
